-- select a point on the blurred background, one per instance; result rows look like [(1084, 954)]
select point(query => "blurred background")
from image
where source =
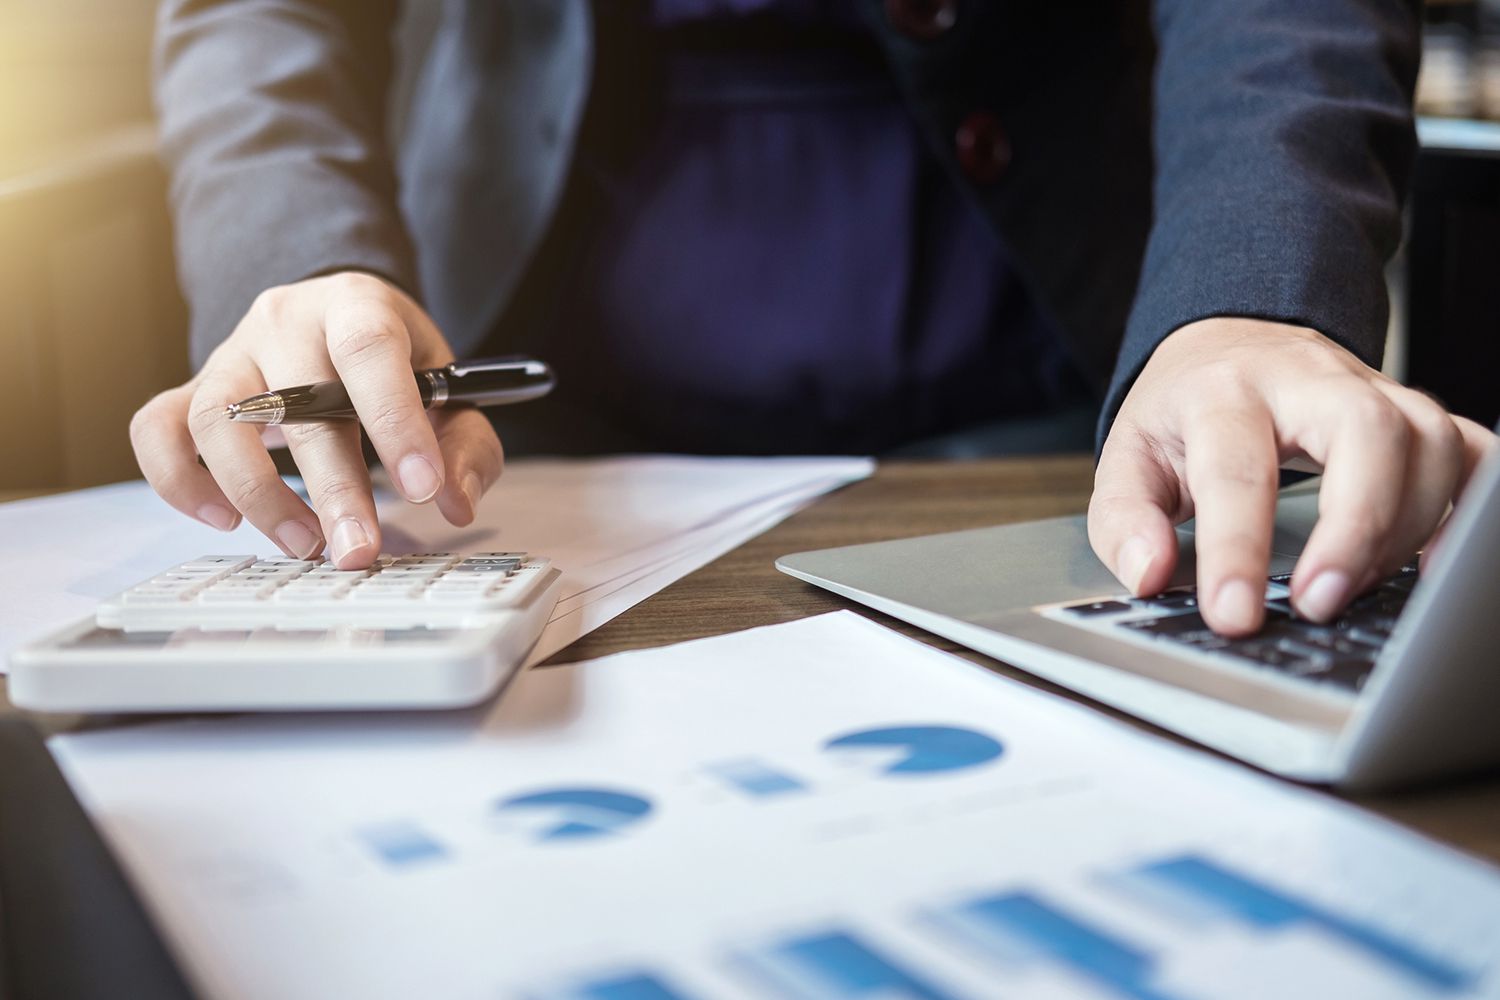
[(92, 324)]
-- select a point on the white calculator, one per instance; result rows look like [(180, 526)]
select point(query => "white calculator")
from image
[(237, 633)]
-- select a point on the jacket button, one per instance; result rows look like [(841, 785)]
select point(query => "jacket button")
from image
[(922, 19), (983, 147)]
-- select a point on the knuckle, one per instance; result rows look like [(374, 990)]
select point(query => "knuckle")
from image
[(1223, 382), (340, 494), (357, 285), (388, 422), (1368, 525), (174, 482), (1378, 417), (305, 435), (250, 493), (205, 412), (1242, 473), (142, 421), (1433, 425), (272, 304), (364, 335), (1233, 551)]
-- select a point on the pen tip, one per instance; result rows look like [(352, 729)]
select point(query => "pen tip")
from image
[(232, 411)]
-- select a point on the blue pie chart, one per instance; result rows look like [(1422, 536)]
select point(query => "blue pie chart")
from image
[(918, 750), (576, 813)]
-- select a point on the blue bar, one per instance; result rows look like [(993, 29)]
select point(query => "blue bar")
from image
[(835, 966), (756, 779), (1264, 907), (401, 843), (1020, 926), (628, 986)]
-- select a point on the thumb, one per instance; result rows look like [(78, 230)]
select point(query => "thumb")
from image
[(472, 456)]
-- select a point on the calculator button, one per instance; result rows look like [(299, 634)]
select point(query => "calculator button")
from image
[(226, 563), (374, 595), (142, 596), (233, 595)]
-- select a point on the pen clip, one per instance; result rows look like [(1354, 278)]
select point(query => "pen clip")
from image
[(509, 362)]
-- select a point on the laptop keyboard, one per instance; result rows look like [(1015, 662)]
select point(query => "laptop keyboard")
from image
[(1341, 653)]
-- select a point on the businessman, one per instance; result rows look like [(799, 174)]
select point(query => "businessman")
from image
[(781, 225)]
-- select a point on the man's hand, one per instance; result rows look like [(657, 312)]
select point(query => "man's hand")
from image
[(1221, 405), (369, 335)]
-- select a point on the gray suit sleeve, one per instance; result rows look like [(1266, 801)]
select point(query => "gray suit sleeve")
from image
[(1284, 140), (272, 128)]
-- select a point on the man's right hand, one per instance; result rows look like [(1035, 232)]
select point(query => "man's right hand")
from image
[(369, 335)]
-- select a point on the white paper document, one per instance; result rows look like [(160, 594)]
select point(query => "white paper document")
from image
[(620, 529), (822, 809)]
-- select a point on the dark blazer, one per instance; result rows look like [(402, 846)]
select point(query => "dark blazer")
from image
[(1148, 164)]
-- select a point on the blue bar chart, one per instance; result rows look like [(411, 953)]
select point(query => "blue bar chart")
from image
[(1021, 928), (617, 986), (1200, 888), (833, 965)]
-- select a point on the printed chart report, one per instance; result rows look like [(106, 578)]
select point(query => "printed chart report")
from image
[(822, 809)]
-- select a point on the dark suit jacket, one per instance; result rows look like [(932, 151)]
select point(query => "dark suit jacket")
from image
[(1167, 162)]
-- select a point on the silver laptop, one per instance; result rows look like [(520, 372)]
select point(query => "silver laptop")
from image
[(1405, 686)]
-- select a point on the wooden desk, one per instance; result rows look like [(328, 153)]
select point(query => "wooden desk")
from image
[(742, 589)]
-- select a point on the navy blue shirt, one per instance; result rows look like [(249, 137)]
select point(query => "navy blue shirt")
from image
[(784, 267)]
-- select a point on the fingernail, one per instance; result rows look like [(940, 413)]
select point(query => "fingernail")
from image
[(348, 536), (419, 480), (218, 516), (472, 490), (1325, 596), (298, 540), (1235, 605), (1135, 561)]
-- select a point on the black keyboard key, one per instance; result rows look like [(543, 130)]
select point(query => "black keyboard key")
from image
[(1377, 604), (1172, 600), (1335, 642), (1096, 608), (1263, 652), (1311, 659), (1348, 674), (1373, 638), (1403, 584), (1170, 626)]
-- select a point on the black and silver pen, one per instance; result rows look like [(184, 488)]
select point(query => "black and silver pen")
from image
[(482, 382)]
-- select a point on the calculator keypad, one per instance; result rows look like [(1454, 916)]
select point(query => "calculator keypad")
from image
[(433, 589)]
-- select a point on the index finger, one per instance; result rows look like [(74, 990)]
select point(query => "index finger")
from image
[(371, 349), (1135, 500)]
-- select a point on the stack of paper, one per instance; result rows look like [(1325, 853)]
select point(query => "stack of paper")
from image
[(620, 529), (822, 809)]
